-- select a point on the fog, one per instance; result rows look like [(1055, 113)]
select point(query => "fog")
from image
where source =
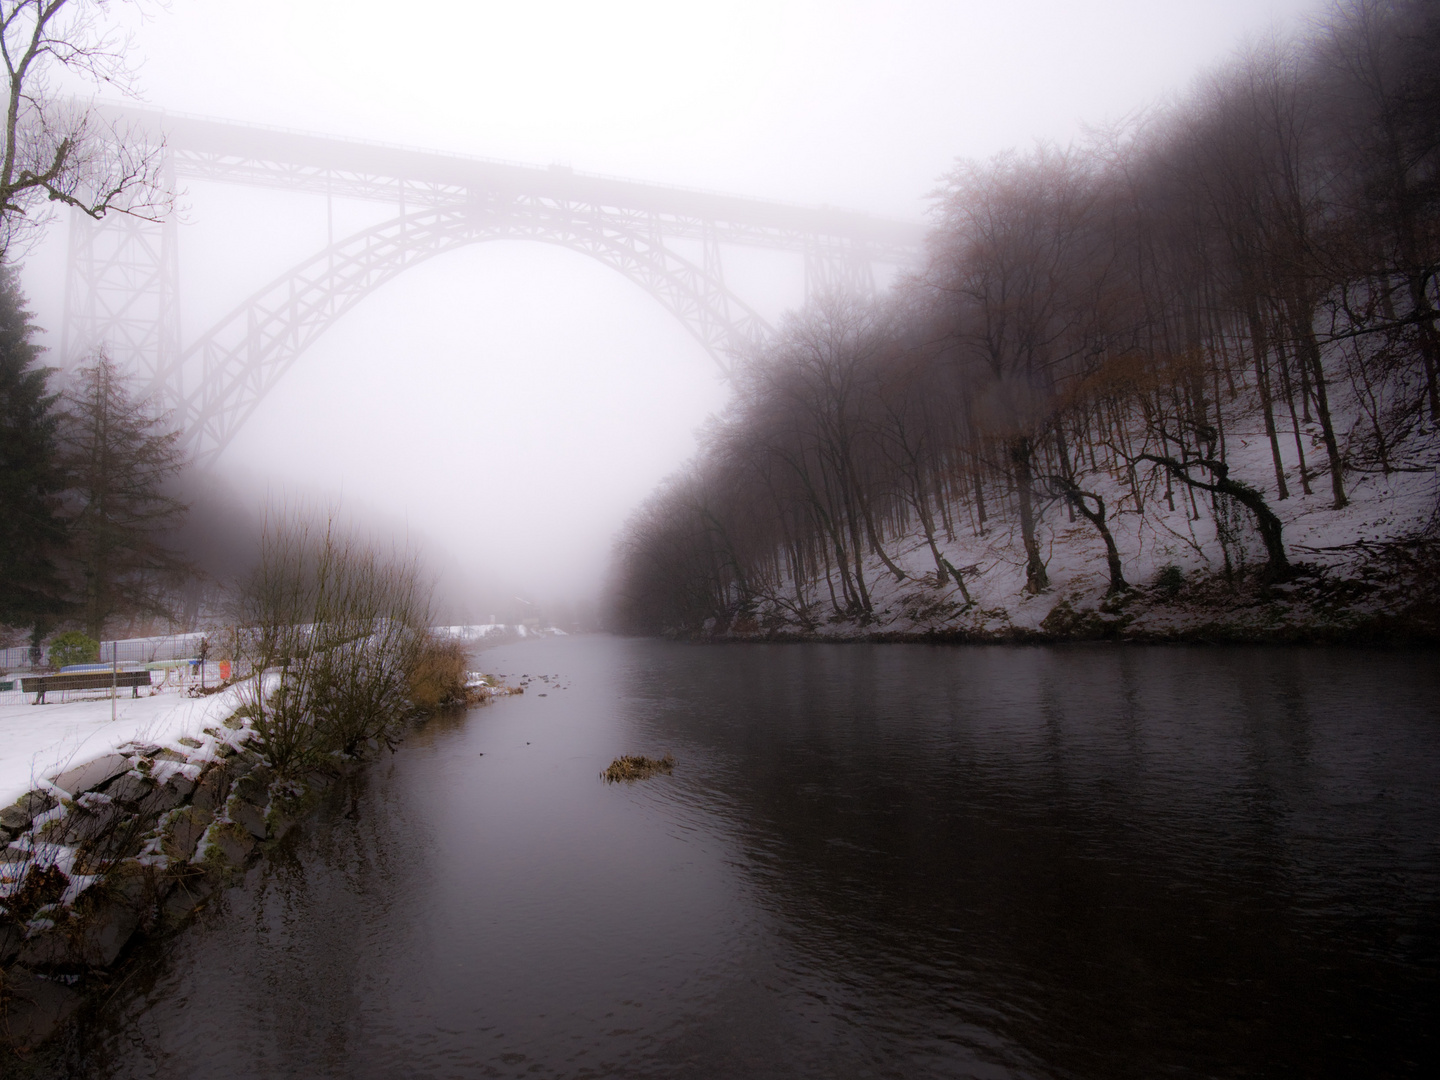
[(506, 406)]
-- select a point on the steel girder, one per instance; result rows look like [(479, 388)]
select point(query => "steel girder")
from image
[(221, 378), (121, 293), (836, 235), (122, 281)]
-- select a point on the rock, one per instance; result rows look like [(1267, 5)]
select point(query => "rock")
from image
[(91, 774), (186, 827), (189, 892), (213, 788), (131, 787), (11, 938), (92, 938), (254, 786), (182, 784), (248, 815), (109, 828), (37, 1007), (167, 796), (105, 930), (170, 755), (69, 829), (280, 824), (238, 767), (229, 843), (131, 883), (282, 814), (23, 810), (55, 946)]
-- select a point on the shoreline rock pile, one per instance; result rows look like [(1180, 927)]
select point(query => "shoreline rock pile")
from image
[(129, 844)]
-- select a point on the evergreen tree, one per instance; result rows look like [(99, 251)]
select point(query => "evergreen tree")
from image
[(119, 458), (31, 533)]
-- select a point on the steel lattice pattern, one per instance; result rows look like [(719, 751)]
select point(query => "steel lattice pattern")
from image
[(122, 283)]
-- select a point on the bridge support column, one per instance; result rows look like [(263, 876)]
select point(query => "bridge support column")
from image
[(122, 295), (831, 269)]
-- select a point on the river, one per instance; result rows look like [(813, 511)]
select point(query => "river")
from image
[(870, 861)]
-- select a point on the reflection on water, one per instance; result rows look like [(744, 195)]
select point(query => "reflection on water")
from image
[(870, 861)]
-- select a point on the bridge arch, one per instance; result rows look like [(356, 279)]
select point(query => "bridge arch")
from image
[(219, 380), (122, 288)]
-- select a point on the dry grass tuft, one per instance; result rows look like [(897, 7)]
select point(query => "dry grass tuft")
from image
[(632, 767), (437, 674)]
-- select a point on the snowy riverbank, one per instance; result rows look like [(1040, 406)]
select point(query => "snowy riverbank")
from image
[(1370, 571), (113, 828), (37, 742)]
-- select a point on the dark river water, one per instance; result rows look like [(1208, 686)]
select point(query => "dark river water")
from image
[(870, 861)]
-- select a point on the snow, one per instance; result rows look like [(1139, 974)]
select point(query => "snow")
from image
[(38, 742), (480, 631), (1381, 509)]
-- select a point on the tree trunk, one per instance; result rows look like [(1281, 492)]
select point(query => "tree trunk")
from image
[(1277, 567), (1310, 360), (1036, 579), (1076, 498), (1258, 342)]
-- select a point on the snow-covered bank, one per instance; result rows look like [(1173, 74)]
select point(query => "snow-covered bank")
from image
[(37, 742), (120, 827), (493, 632), (1370, 571), (127, 827)]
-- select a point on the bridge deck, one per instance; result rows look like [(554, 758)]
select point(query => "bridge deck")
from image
[(270, 157)]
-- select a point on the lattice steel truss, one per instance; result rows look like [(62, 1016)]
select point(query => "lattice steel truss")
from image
[(122, 285), (122, 293)]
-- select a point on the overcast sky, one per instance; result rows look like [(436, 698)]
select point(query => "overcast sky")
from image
[(510, 404)]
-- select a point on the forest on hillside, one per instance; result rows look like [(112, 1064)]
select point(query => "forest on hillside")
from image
[(1169, 330)]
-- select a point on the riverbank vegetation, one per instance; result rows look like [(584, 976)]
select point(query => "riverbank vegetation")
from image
[(91, 474), (336, 662), (627, 768), (344, 624), (1203, 342), (87, 467)]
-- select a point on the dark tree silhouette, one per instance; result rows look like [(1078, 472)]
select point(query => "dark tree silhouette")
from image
[(31, 531), (119, 456)]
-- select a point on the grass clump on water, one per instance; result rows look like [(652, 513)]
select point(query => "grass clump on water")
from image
[(631, 767)]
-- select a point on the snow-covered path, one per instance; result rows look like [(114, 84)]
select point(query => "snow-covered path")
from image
[(38, 741)]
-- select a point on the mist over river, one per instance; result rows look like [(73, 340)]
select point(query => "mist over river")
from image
[(870, 860)]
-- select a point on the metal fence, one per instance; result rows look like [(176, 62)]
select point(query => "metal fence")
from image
[(149, 650), (131, 650)]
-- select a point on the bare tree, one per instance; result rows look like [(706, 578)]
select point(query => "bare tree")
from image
[(1101, 329), (1011, 262), (58, 149)]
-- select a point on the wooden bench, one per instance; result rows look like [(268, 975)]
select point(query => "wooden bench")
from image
[(40, 685)]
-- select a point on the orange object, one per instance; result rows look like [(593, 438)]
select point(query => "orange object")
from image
[(224, 670)]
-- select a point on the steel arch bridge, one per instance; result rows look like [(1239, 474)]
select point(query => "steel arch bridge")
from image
[(123, 275)]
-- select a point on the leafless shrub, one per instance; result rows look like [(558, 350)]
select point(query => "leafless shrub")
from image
[(338, 626)]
